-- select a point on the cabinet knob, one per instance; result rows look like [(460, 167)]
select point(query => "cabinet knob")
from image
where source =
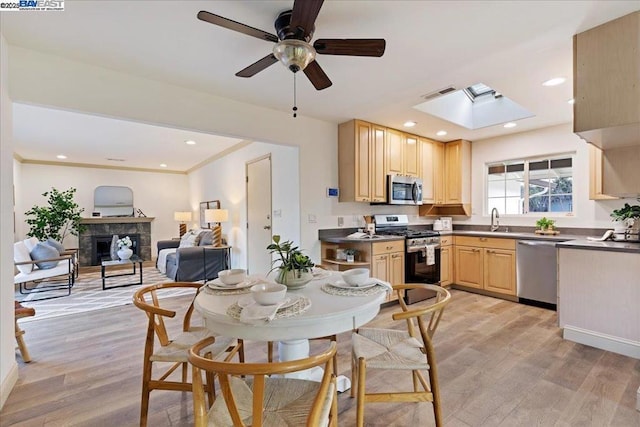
[(483, 239)]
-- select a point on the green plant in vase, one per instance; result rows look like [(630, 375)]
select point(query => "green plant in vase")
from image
[(545, 224), (294, 267), (60, 218)]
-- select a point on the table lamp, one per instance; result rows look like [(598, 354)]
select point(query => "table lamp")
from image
[(183, 218), (216, 216)]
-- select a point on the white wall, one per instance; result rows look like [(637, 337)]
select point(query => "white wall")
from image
[(224, 180), (158, 195), (555, 139), (8, 365)]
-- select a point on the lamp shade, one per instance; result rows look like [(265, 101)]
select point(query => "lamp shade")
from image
[(182, 216), (216, 215)]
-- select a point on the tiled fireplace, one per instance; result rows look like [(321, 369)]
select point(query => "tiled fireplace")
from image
[(95, 241)]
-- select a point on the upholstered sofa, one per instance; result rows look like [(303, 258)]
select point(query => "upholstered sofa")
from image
[(191, 259)]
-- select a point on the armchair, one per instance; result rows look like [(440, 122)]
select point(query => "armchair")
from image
[(192, 264), (58, 276)]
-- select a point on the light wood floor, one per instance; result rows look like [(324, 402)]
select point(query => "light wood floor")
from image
[(501, 364)]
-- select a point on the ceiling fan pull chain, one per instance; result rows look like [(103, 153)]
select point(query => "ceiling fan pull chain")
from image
[(294, 96)]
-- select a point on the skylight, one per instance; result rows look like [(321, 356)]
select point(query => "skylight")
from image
[(475, 107), (479, 89)]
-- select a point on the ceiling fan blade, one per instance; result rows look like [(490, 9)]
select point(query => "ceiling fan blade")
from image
[(304, 15), (317, 76), (257, 66), (351, 47), (236, 26)]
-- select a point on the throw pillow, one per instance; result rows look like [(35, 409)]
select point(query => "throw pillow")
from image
[(21, 254), (30, 243), (43, 251), (55, 244), (189, 239), (206, 238)]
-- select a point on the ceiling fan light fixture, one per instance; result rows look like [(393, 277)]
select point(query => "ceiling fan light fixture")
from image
[(294, 54)]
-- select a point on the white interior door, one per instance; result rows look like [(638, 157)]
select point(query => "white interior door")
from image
[(259, 215)]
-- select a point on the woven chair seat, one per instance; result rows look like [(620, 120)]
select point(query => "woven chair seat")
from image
[(389, 349), (177, 350), (287, 403)]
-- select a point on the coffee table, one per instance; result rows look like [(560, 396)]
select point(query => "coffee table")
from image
[(107, 262)]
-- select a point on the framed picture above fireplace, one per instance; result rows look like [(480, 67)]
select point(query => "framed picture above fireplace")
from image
[(212, 204)]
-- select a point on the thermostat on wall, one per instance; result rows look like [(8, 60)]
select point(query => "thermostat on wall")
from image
[(332, 192)]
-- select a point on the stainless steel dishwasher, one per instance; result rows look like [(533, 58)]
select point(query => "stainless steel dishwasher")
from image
[(537, 273)]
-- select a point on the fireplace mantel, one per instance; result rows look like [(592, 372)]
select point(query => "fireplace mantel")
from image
[(116, 220)]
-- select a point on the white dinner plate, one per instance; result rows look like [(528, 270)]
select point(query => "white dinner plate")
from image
[(247, 300), (217, 284), (345, 285)]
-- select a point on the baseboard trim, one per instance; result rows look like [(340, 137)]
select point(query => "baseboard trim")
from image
[(603, 341), (8, 383)]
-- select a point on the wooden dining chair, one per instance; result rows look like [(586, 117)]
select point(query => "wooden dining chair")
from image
[(174, 349), (20, 313), (256, 394), (401, 350)]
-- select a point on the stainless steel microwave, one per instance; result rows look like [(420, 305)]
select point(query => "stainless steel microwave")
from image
[(404, 190)]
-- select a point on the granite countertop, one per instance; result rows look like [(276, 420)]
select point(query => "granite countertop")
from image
[(344, 239), (564, 240), (514, 235), (607, 245)]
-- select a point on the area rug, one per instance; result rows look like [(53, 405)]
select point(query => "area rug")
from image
[(87, 294)]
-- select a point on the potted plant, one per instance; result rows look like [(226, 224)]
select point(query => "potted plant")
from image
[(544, 224), (628, 218), (60, 218), (351, 254), (294, 267)]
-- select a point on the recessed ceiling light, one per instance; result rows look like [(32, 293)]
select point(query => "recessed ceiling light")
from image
[(163, 165), (441, 133), (61, 156), (510, 125), (409, 124), (190, 142), (554, 81), (571, 101)]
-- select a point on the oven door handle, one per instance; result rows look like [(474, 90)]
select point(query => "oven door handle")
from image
[(413, 249)]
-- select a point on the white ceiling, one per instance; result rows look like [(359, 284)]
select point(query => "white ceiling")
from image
[(511, 46)]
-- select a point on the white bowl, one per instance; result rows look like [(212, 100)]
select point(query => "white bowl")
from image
[(268, 293), (356, 276), (233, 276)]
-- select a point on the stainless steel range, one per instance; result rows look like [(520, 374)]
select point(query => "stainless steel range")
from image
[(422, 253)]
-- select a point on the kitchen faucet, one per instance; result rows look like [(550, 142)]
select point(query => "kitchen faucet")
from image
[(495, 218)]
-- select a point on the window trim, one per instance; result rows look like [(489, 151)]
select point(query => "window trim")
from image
[(526, 161)]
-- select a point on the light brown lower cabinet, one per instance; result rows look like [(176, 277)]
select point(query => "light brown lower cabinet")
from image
[(387, 264), (446, 260), (486, 263), (384, 259)]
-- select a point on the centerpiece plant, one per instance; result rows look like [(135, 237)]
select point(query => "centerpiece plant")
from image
[(294, 267)]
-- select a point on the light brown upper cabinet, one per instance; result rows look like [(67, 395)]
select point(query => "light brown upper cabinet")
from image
[(456, 178), (606, 83), (431, 171), (361, 166), (402, 153), (411, 155), (394, 151)]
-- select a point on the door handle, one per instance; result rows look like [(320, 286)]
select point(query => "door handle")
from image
[(267, 227)]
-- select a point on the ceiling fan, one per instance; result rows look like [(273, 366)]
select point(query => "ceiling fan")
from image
[(295, 29)]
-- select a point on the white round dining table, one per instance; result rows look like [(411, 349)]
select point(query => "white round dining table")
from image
[(328, 314)]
